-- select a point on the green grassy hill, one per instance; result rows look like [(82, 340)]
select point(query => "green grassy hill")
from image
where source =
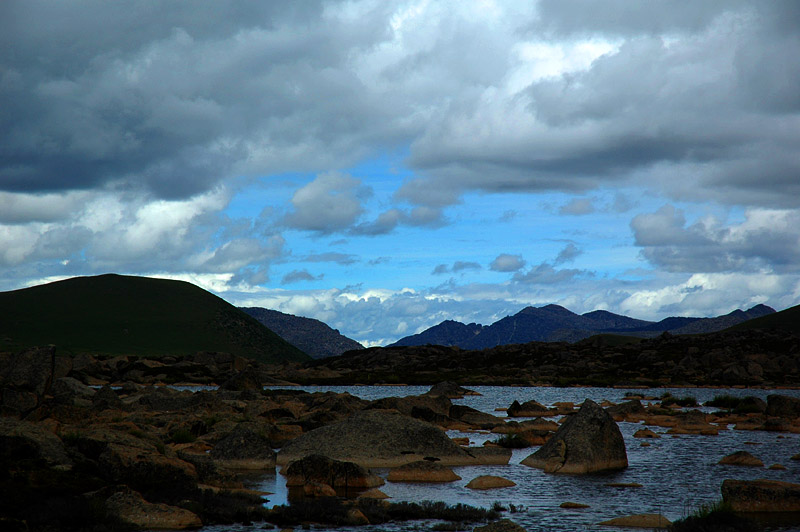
[(116, 314), (785, 320)]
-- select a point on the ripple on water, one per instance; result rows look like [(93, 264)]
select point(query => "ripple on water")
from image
[(677, 474)]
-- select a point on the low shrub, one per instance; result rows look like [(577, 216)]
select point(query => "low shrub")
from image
[(512, 441), (682, 401), (724, 401), (714, 517)]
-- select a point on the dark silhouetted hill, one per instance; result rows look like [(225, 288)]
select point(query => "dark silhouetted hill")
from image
[(115, 314), (449, 333), (307, 334)]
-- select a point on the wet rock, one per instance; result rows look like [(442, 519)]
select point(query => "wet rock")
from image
[(377, 439), (318, 489), (472, 416), (129, 508), (373, 493), (487, 482), (334, 473), (761, 495), (244, 448), (586, 442), (422, 471), (645, 433), (639, 521), (741, 458)]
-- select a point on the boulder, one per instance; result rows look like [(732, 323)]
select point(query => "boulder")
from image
[(128, 508), (106, 399), (25, 380), (586, 442), (373, 493), (741, 458), (422, 471), (316, 468), (488, 482), (247, 379), (645, 433), (783, 406), (416, 405), (244, 448), (374, 438), (526, 409), (66, 389), (503, 525), (21, 440), (761, 495), (573, 505), (639, 521)]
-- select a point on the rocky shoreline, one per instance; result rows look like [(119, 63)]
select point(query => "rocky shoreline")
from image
[(100, 444)]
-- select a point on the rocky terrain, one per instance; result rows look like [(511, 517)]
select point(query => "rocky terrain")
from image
[(553, 323), (311, 336), (751, 357), (77, 453)]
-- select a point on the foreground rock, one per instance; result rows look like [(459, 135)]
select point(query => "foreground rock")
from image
[(129, 508), (379, 439), (639, 521), (761, 495), (586, 442)]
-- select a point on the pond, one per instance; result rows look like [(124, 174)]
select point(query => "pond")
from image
[(677, 473)]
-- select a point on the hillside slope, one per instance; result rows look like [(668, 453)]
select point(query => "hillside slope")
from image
[(311, 336), (116, 314)]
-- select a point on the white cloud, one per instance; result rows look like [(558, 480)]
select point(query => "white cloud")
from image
[(331, 202), (506, 262)]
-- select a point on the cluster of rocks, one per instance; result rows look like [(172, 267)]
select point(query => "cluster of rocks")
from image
[(76, 450), (748, 357)]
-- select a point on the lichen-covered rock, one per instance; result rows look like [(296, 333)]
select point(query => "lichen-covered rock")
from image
[(761, 495), (377, 439), (586, 442)]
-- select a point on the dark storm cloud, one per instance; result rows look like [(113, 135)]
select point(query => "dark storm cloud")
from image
[(699, 103), (173, 99)]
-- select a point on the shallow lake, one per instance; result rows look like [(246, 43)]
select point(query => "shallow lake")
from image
[(677, 473)]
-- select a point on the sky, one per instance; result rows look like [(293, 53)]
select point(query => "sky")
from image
[(385, 165)]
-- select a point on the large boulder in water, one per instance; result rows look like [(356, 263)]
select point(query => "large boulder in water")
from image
[(586, 442), (319, 469), (761, 495), (376, 438)]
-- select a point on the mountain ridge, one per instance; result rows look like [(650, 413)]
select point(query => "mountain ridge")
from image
[(553, 323), (314, 337)]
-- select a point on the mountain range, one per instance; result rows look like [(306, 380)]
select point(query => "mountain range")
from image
[(311, 336), (553, 323)]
